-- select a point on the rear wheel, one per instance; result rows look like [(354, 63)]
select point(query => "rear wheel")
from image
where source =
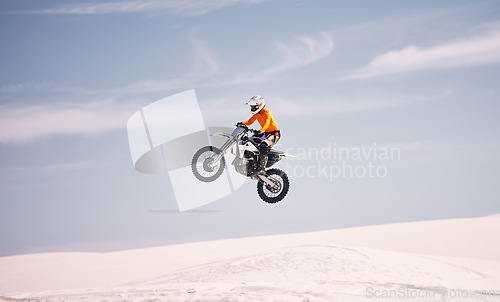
[(274, 194), (203, 166)]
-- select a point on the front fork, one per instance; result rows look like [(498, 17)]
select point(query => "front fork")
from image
[(264, 179), (223, 149)]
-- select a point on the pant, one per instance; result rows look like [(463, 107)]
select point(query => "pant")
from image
[(269, 139)]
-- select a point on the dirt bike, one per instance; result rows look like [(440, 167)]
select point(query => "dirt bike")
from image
[(208, 163)]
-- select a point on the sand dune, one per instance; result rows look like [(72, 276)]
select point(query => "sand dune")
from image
[(431, 260)]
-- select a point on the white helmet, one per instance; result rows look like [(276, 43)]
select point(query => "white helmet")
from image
[(256, 104)]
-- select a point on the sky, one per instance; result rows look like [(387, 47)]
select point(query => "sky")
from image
[(391, 108)]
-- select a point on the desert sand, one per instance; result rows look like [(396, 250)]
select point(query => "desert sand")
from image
[(443, 260)]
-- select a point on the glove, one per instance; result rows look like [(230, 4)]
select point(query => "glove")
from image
[(240, 124), (256, 132)]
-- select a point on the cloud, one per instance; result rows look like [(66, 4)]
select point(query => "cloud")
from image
[(480, 50), (306, 50), (189, 7), (51, 168), (24, 124), (145, 86), (303, 51), (341, 105), (204, 61), (14, 88), (30, 123)]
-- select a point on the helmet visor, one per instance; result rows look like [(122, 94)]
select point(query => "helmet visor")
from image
[(254, 108)]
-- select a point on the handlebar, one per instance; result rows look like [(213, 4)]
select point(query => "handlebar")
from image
[(240, 124)]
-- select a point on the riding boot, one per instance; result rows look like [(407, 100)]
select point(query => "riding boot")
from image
[(262, 163), (262, 158)]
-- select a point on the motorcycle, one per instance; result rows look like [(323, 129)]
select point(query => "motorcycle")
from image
[(208, 163)]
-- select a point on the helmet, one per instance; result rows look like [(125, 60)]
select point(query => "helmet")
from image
[(256, 104)]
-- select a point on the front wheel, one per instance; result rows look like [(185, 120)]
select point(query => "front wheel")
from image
[(276, 193), (203, 166)]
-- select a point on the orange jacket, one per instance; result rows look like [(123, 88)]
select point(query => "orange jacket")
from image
[(266, 121)]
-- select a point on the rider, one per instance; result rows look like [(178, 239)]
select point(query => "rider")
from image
[(268, 133)]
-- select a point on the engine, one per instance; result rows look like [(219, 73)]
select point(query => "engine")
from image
[(244, 165)]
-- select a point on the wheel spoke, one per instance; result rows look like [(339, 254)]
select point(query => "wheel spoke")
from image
[(273, 194), (201, 165)]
